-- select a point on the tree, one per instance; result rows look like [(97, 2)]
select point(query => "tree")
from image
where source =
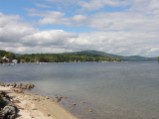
[(8, 55)]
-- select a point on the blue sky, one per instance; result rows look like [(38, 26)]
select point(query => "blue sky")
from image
[(123, 27)]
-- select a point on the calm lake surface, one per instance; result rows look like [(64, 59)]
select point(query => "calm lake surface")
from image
[(110, 90)]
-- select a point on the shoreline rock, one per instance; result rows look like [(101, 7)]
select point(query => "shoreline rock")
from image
[(20, 85), (8, 108), (31, 105)]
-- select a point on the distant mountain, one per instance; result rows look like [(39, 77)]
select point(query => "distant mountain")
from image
[(139, 58), (123, 58), (91, 52)]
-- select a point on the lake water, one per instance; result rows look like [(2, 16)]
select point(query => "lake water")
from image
[(110, 90)]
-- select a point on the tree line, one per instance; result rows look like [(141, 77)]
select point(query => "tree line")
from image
[(71, 57), (60, 57)]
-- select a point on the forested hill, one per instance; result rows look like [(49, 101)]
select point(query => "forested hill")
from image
[(67, 57), (83, 56), (58, 57), (7, 54)]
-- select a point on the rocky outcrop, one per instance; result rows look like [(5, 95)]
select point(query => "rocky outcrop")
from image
[(7, 108), (58, 99), (19, 86)]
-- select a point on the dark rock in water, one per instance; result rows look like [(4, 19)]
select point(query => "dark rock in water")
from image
[(20, 85), (74, 104), (58, 99), (13, 85), (25, 86), (29, 86), (32, 85), (8, 84)]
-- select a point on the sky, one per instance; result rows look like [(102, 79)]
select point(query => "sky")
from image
[(123, 27)]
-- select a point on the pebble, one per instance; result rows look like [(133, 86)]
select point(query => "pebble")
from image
[(47, 97), (90, 110), (34, 109), (74, 104)]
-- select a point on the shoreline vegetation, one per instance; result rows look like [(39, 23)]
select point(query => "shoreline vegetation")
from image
[(82, 56), (25, 105), (85, 56)]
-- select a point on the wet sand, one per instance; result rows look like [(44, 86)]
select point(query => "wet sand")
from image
[(33, 106)]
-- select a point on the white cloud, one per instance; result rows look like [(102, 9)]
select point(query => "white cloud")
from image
[(79, 18), (98, 4), (42, 5), (12, 29), (130, 32), (52, 17), (123, 43), (140, 15), (59, 18), (124, 21), (48, 38), (20, 37)]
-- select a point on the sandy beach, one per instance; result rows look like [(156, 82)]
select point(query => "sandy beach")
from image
[(38, 107)]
